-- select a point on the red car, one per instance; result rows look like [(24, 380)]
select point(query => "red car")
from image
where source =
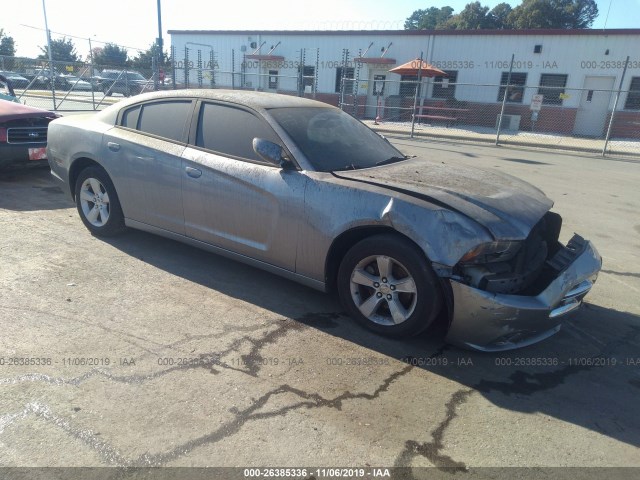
[(23, 132)]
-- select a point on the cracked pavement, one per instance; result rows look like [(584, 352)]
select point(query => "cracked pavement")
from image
[(140, 351)]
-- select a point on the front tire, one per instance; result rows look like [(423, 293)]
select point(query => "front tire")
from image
[(385, 283), (97, 203)]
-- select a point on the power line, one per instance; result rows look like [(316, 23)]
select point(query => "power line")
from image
[(85, 38)]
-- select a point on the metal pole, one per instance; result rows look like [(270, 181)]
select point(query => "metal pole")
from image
[(233, 69), (212, 63), (504, 99), (356, 85), (301, 75), (415, 96), (160, 45), (186, 67), (173, 66), (51, 69), (615, 106), (345, 56), (315, 73), (93, 95)]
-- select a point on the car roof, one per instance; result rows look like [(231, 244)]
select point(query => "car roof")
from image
[(251, 99)]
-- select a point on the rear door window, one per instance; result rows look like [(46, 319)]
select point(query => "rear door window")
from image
[(167, 119)]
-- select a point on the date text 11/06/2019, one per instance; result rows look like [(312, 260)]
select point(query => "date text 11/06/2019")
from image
[(326, 473)]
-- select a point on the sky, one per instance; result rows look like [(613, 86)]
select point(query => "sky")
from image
[(134, 23)]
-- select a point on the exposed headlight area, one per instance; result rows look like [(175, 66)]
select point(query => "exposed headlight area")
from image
[(513, 266), (491, 252)]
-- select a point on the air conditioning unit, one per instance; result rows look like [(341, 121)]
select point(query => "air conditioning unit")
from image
[(509, 122)]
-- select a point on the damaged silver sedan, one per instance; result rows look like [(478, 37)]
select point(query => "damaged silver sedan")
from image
[(302, 189)]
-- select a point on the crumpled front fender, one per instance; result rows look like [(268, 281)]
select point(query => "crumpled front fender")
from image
[(494, 322)]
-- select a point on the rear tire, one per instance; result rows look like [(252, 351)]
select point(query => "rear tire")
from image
[(385, 283), (97, 203)]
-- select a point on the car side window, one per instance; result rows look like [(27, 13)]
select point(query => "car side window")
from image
[(166, 119), (231, 131), (130, 117)]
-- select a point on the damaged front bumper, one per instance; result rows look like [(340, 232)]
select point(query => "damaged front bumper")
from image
[(495, 322)]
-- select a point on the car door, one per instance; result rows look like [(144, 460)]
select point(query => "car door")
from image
[(148, 143), (231, 198)]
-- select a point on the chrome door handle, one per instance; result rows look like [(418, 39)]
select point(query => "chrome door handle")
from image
[(114, 147), (193, 172)]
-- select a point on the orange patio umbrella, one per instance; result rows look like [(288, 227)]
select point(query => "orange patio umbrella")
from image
[(412, 67)]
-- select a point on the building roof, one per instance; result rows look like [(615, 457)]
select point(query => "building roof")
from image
[(542, 31)]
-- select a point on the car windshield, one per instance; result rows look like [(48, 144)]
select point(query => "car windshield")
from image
[(333, 140), (135, 76)]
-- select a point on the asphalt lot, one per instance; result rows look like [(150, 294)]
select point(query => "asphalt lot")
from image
[(142, 351)]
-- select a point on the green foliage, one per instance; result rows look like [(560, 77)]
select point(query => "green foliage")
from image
[(7, 45), (554, 14), (530, 14), (144, 60), (62, 50), (428, 19), (111, 55), (474, 16)]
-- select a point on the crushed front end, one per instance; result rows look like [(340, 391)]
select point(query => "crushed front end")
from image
[(511, 294)]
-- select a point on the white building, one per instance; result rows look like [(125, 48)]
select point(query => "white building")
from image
[(577, 71)]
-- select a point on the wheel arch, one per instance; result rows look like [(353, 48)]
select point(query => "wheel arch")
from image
[(76, 167), (347, 239)]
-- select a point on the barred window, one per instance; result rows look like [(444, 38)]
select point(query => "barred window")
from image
[(445, 87), (349, 73), (633, 97), (273, 79), (408, 85), (552, 88), (516, 88), (307, 78)]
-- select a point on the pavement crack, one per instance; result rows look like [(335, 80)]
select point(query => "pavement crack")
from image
[(432, 450), (109, 454), (253, 413)]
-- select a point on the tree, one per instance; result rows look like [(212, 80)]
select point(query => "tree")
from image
[(554, 14), (428, 19), (530, 14), (500, 14), (62, 50), (110, 55), (474, 16), (7, 45), (144, 59)]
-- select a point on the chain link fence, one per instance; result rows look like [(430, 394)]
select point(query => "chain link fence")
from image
[(600, 117), (74, 86), (541, 116)]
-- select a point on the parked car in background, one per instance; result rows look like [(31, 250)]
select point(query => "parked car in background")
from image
[(23, 132), (6, 90), (304, 190), (127, 83), (64, 82), (72, 82), (17, 80)]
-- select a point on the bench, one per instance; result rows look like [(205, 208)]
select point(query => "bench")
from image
[(437, 117), (441, 114)]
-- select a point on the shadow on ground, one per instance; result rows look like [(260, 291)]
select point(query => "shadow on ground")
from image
[(587, 375)]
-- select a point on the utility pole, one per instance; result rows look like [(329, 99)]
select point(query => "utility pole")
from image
[(51, 69), (159, 41)]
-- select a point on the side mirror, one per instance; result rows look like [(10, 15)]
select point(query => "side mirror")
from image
[(270, 152)]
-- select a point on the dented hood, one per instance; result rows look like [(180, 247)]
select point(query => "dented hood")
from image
[(507, 206)]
